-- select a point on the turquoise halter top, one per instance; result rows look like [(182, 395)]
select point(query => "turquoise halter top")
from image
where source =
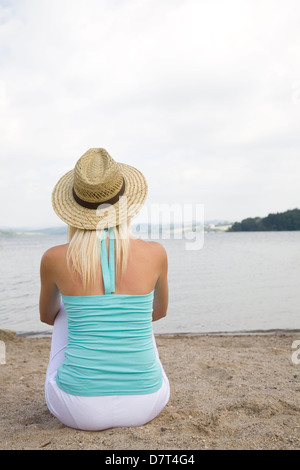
[(110, 347)]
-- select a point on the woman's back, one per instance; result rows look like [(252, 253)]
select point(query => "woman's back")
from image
[(146, 262), (110, 343)]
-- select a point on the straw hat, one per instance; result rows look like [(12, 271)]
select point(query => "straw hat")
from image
[(99, 192)]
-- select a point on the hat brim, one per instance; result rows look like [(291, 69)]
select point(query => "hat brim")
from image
[(129, 204)]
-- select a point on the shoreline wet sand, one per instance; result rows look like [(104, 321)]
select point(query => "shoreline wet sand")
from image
[(232, 392)]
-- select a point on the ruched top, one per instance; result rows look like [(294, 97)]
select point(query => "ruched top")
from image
[(110, 347)]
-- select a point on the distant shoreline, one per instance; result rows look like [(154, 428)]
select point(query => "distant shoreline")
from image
[(25, 232), (287, 221), (206, 229), (280, 222)]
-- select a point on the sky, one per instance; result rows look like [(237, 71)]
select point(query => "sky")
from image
[(202, 96)]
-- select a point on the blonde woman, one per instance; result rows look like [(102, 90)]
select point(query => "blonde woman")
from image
[(101, 292)]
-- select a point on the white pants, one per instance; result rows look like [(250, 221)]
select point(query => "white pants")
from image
[(96, 413)]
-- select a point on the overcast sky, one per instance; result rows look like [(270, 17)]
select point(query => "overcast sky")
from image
[(203, 96)]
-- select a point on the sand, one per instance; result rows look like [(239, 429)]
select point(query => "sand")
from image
[(227, 392)]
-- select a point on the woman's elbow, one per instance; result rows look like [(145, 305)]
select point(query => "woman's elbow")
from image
[(48, 316), (44, 318), (158, 315)]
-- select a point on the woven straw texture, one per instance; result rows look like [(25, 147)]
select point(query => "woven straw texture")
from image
[(97, 177)]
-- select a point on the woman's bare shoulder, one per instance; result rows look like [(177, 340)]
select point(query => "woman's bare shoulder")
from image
[(158, 248), (55, 253), (151, 248)]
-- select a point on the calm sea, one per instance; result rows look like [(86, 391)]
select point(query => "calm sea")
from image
[(237, 282)]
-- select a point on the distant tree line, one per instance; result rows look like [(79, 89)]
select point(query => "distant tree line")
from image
[(289, 220)]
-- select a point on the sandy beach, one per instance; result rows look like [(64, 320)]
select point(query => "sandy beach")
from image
[(227, 392)]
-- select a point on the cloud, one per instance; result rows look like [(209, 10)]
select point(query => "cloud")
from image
[(203, 97)]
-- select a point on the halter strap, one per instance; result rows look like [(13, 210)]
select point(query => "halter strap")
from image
[(108, 265)]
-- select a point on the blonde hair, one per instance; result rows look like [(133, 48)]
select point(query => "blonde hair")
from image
[(83, 255)]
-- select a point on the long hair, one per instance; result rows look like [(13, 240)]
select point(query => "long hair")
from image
[(83, 255)]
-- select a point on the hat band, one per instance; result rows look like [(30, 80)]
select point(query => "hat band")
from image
[(95, 205)]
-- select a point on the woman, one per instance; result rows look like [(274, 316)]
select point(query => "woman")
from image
[(101, 292)]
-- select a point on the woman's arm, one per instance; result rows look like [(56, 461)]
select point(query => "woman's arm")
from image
[(161, 294), (50, 299)]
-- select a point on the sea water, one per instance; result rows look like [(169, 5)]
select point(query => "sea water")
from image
[(236, 282)]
